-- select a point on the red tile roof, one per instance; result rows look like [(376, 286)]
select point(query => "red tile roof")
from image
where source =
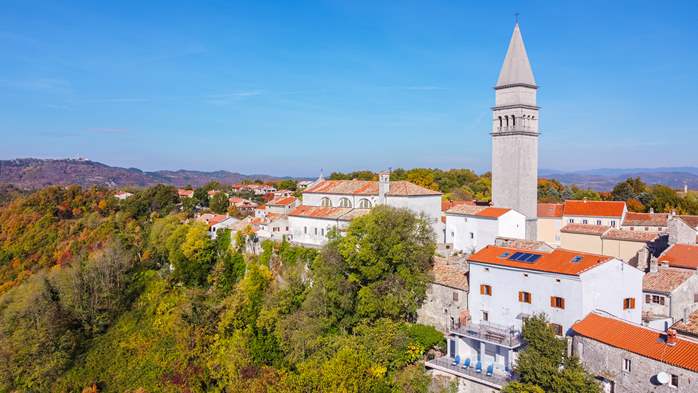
[(681, 255), (557, 261), (689, 326), (284, 201), (550, 209), (631, 236), (446, 204), (585, 229), (639, 340), (665, 279), (185, 193), (692, 221), (646, 219), (450, 275), (478, 211), (594, 208), (368, 187), (333, 213)]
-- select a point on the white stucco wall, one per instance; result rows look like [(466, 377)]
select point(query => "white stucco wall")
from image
[(312, 231), (470, 233), (593, 220), (603, 287), (608, 284), (316, 199)]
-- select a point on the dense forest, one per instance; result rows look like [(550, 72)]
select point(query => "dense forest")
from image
[(125, 296)]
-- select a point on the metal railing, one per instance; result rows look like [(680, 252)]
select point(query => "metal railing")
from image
[(486, 331), (497, 379)]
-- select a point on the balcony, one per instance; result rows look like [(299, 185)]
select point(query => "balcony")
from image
[(491, 333), (445, 364)]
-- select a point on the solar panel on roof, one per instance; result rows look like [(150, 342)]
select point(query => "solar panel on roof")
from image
[(532, 258), (524, 257)]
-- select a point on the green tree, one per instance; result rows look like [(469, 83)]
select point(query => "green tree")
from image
[(545, 364), (201, 196), (219, 203)]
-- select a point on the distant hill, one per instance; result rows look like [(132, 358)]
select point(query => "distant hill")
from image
[(604, 179), (31, 173)]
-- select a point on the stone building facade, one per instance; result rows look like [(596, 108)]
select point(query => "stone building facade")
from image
[(446, 304), (628, 358)]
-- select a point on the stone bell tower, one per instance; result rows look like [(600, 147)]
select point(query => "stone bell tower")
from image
[(515, 136)]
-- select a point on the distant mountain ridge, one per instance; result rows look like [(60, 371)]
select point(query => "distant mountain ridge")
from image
[(33, 173), (603, 179)]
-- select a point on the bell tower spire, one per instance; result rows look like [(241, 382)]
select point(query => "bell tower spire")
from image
[(515, 135)]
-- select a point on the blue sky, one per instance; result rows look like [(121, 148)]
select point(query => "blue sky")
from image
[(287, 88)]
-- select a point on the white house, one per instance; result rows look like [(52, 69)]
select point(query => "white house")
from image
[(274, 226), (470, 228), (333, 203), (566, 285), (122, 195), (282, 205), (607, 213), (507, 285), (311, 225)]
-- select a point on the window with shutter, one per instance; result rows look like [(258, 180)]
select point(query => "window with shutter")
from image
[(557, 302)]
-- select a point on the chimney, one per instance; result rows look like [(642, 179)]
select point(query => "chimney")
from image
[(651, 210), (671, 337), (383, 186), (685, 188), (653, 264)]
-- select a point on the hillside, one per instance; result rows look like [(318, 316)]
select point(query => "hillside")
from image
[(32, 173), (605, 179)]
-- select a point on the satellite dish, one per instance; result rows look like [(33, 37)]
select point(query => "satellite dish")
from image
[(663, 378)]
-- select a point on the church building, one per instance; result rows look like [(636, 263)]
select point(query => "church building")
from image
[(515, 136)]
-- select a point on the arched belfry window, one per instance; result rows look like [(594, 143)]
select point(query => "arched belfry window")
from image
[(500, 121), (506, 118), (366, 204), (513, 120), (344, 202), (326, 202)]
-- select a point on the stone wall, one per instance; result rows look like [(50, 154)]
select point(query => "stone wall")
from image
[(440, 308), (607, 362), (680, 232)]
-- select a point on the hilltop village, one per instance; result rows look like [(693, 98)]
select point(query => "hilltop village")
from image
[(420, 280), (620, 286)]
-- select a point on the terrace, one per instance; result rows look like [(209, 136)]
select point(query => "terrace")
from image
[(446, 364), (491, 333)]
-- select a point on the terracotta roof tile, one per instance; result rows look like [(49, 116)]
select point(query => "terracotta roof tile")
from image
[(689, 326), (665, 279), (692, 221), (594, 208), (446, 204), (478, 211), (333, 213), (586, 229), (283, 201), (631, 236), (681, 255), (557, 261), (646, 219), (368, 187), (453, 276), (185, 193), (638, 339), (550, 209)]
